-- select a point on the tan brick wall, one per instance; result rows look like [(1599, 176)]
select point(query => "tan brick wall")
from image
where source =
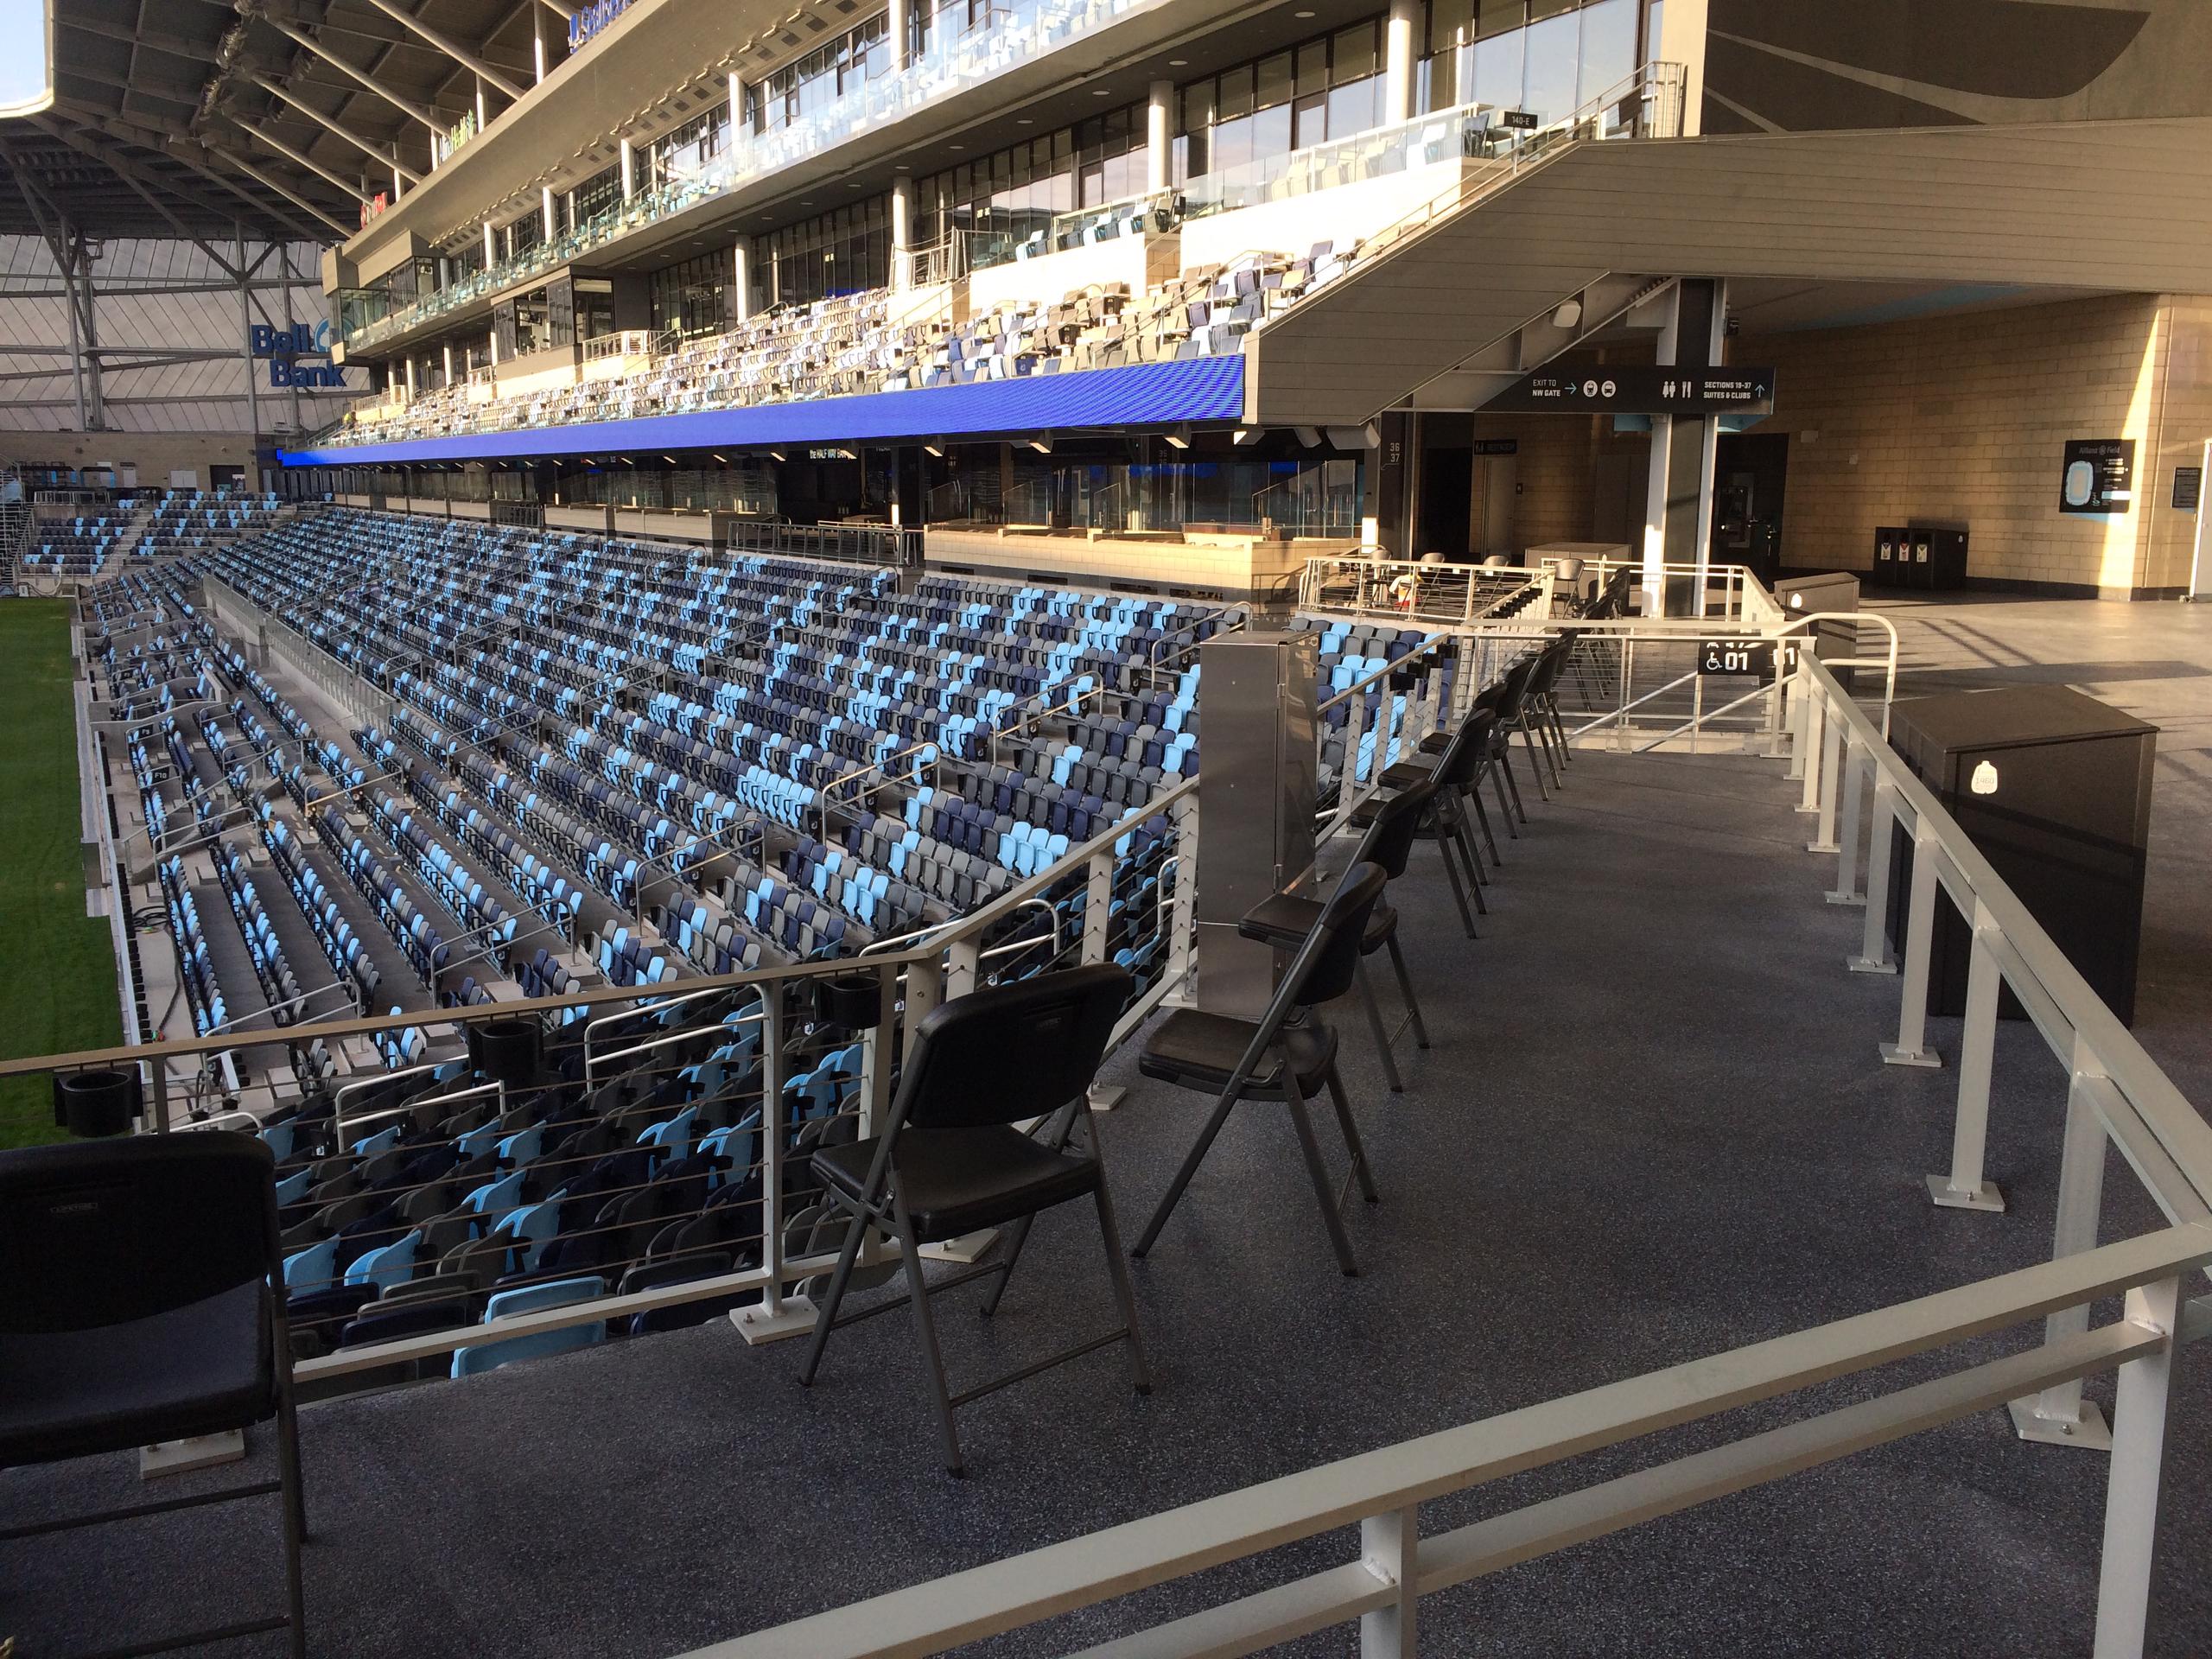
[(1964, 419), (2184, 422)]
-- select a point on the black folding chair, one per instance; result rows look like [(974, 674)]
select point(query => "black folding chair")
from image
[(1274, 1058), (1457, 769), (1285, 918), (949, 1162), (142, 1299)]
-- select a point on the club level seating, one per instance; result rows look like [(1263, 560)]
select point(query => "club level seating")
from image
[(852, 345)]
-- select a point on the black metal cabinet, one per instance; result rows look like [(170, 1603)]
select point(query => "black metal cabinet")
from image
[(2053, 789)]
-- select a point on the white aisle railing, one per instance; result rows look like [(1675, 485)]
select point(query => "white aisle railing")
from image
[(2116, 1093)]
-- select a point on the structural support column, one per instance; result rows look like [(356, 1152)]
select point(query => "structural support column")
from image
[(1678, 504), (246, 346), (1681, 40), (1400, 51), (897, 21), (629, 170), (736, 105), (1159, 134), (447, 349), (545, 210), (902, 233), (740, 308), (491, 245)]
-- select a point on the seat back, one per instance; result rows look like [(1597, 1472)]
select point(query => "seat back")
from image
[(103, 1232), (1463, 755), (1010, 1051), (1324, 965), (1389, 842)]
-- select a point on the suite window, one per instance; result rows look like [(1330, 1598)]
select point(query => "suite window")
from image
[(689, 297), (1324, 89), (815, 82), (594, 196)]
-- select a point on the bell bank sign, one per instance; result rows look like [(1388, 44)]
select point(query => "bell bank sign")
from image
[(587, 22), (284, 347)]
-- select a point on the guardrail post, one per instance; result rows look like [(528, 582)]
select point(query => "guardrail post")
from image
[(1390, 1547), (2135, 1490), (1355, 720), (1097, 900), (1182, 925), (777, 1316), (2059, 1415), (1846, 891), (1831, 764), (1911, 1045), (1882, 826), (1807, 762), (1964, 1188)]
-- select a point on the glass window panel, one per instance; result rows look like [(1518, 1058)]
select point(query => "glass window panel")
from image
[(1495, 17), (1232, 144), (1197, 106), (1271, 132), (1552, 54), (1313, 68), (1497, 70), (1355, 108), (1272, 79), (1236, 92), (1540, 9), (1310, 120), (1354, 57), (1449, 22), (1608, 47)]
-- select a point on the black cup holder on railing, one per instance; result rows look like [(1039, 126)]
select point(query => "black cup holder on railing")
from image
[(95, 1102), (508, 1051), (853, 1000)]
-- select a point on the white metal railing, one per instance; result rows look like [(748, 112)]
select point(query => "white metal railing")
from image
[(624, 342), (2116, 1093)]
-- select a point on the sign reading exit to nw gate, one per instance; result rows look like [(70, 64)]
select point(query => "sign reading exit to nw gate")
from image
[(1637, 390)]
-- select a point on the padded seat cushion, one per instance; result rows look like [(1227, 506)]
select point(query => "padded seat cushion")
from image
[(195, 1369), (1286, 919), (1200, 1050), (960, 1181)]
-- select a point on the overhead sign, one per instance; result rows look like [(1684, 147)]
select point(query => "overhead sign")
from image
[(2100, 476), (1640, 390), (1498, 446)]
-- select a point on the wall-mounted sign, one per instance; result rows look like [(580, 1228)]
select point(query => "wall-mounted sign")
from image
[(1498, 446), (1517, 120), (282, 345), (2099, 476), (2189, 488), (1634, 390)]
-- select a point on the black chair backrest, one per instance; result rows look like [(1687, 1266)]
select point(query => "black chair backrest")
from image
[(1463, 755), (103, 1232), (1324, 965), (1389, 842), (1550, 665), (1010, 1051), (1513, 688)]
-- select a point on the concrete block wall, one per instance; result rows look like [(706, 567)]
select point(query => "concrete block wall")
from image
[(1964, 419)]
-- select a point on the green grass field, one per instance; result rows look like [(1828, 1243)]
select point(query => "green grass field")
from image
[(57, 964)]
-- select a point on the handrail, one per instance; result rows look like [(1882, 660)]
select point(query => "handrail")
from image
[(1383, 1490)]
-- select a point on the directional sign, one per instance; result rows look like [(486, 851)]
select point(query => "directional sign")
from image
[(1640, 391)]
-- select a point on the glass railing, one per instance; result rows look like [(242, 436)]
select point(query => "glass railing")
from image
[(1008, 36), (1466, 131)]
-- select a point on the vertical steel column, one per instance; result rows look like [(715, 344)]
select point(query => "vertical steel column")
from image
[(1911, 1045), (245, 350), (1964, 1188), (1097, 900), (2135, 1490), (1873, 955), (1182, 932), (2059, 1415)]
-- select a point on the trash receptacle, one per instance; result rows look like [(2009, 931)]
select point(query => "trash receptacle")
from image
[(2053, 789)]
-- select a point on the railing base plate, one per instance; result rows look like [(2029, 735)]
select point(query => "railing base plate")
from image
[(968, 1249), (1104, 1098), (1927, 1058), (2091, 1433), (1827, 847), (1856, 900), (1868, 964), (182, 1457), (1985, 1197), (757, 1326)]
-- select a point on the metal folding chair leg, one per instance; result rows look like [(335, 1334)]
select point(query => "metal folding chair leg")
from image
[(1322, 1193), (1503, 770), (1458, 890), (1405, 990), (1352, 1143), (1124, 1293), (1374, 1024), (1453, 813), (827, 1317), (1536, 758), (925, 1329), (1191, 1159), (1482, 817), (296, 1517)]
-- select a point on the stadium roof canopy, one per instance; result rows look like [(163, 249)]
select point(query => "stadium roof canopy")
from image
[(193, 117)]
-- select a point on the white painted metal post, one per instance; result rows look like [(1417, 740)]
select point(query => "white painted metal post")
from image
[(777, 1316), (1873, 955), (2059, 1415), (1846, 891), (1831, 763), (1355, 721), (1182, 932), (2134, 1488), (1911, 1045), (1808, 750), (1964, 1188), (961, 959), (1390, 1547)]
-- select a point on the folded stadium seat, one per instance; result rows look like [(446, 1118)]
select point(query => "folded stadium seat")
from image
[(561, 1292)]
